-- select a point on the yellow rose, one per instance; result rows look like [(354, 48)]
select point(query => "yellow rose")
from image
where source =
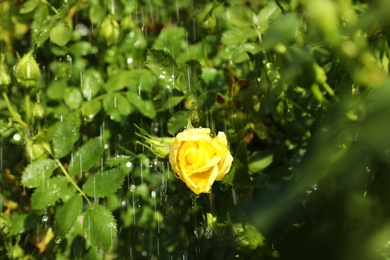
[(198, 159)]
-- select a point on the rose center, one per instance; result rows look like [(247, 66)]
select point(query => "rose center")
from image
[(192, 156)]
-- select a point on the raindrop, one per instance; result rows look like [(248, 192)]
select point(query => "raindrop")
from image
[(129, 60), (57, 240), (69, 59), (45, 218), (129, 164), (17, 137), (199, 232), (208, 233)]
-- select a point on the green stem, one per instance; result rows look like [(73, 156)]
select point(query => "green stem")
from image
[(27, 108), (52, 7), (15, 115), (72, 181)]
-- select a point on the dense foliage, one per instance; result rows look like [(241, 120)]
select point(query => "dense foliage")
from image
[(92, 89)]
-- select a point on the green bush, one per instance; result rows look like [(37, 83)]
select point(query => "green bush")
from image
[(92, 89)]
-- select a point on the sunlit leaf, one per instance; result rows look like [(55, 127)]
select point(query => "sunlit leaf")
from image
[(23, 222), (28, 6), (73, 97), (236, 35), (240, 15), (64, 138), (67, 214), (60, 34), (49, 192), (86, 156), (281, 30), (102, 184), (38, 172), (89, 109), (259, 161), (100, 226)]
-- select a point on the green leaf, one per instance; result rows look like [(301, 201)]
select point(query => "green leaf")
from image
[(55, 90), (89, 109), (170, 39), (146, 107), (259, 160), (60, 34), (118, 81), (177, 122), (42, 25), (48, 193), (91, 83), (100, 226), (267, 14), (116, 106), (240, 15), (282, 30), (28, 6), (67, 214), (236, 36), (38, 172), (64, 138), (73, 97), (104, 183), (163, 65), (190, 76), (86, 156), (23, 222)]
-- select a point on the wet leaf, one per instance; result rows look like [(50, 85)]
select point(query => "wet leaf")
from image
[(60, 34), (163, 65), (86, 156), (92, 82), (64, 138), (102, 184), (177, 122), (116, 106), (190, 76), (42, 25), (67, 214), (37, 172), (89, 109), (100, 226), (170, 39), (146, 107), (49, 192)]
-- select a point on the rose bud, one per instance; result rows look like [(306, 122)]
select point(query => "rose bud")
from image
[(27, 71), (109, 30)]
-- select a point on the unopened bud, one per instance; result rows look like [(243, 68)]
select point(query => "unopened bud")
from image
[(27, 71), (109, 30)]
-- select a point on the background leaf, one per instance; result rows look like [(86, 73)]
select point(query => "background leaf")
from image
[(60, 34), (37, 172), (100, 226), (86, 156), (67, 214), (102, 184), (163, 65), (64, 138)]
